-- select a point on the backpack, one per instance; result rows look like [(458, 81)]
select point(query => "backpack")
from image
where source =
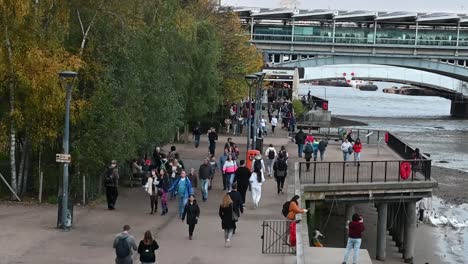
[(147, 255), (281, 168), (285, 210), (271, 154), (122, 249), (109, 180)]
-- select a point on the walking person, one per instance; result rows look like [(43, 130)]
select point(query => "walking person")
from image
[(308, 151), (193, 179), (346, 148), (258, 163), (271, 154), (152, 189), (229, 169), (192, 211), (147, 248), (355, 229), (315, 147), (238, 207), (357, 148), (284, 152), (300, 141), (183, 188), (242, 179), (226, 215), (263, 126), (212, 138), (196, 133), (222, 160), (204, 173), (174, 171), (281, 171), (111, 182), (274, 123), (256, 181), (322, 147), (124, 245), (163, 189), (214, 168), (421, 208)]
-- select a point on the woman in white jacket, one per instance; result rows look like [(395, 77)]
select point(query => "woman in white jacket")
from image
[(256, 180), (152, 189)]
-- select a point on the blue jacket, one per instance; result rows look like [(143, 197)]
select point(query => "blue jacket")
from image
[(188, 189)]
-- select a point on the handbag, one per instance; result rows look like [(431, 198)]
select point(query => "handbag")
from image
[(350, 150), (235, 217)]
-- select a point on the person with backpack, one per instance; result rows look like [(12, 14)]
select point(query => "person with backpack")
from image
[(152, 189), (124, 244), (300, 141), (293, 208), (111, 182), (147, 248), (271, 154), (256, 181), (183, 188), (308, 151), (281, 171), (284, 152), (315, 147), (259, 164), (322, 147), (192, 211)]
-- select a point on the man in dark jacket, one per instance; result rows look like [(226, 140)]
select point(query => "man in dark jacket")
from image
[(111, 182), (238, 208), (242, 177), (300, 141), (212, 138), (204, 173)]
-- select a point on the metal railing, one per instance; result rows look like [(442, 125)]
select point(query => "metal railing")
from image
[(368, 136), (276, 237), (364, 171)]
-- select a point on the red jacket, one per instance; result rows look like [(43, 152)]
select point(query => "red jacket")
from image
[(357, 147), (355, 229)]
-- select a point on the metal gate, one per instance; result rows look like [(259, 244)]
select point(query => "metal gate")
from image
[(276, 238)]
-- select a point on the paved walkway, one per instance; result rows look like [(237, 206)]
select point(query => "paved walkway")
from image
[(29, 234)]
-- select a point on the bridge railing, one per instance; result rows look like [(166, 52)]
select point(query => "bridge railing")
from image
[(341, 172)]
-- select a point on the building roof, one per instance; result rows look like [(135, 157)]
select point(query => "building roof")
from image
[(353, 16)]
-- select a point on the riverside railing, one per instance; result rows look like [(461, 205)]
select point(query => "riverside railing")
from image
[(336, 172), (368, 136)]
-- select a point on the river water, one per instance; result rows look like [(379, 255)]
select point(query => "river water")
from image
[(423, 122)]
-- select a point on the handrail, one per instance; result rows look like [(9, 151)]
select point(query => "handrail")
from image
[(381, 171)]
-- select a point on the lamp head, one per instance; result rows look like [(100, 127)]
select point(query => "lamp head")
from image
[(251, 79), (68, 75)]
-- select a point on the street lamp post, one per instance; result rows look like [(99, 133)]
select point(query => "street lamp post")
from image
[(251, 81), (258, 106), (68, 78)]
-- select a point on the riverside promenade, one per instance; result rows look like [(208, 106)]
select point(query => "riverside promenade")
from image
[(29, 234)]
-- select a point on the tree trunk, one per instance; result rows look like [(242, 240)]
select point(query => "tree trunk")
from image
[(186, 133), (21, 168), (26, 171), (11, 87)]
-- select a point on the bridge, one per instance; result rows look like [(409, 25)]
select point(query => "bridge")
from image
[(430, 42)]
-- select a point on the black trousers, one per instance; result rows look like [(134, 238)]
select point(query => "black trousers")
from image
[(191, 228), (212, 148), (308, 163), (280, 183), (421, 215), (272, 129), (154, 203), (242, 189), (111, 195)]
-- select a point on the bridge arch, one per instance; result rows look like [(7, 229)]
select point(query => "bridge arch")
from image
[(437, 67), (459, 102)]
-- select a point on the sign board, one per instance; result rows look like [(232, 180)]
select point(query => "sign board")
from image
[(64, 158)]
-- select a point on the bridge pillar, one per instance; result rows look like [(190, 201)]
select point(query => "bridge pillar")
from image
[(381, 231), (349, 211), (410, 231), (459, 109)]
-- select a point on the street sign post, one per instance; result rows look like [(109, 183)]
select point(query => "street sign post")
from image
[(63, 158)]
